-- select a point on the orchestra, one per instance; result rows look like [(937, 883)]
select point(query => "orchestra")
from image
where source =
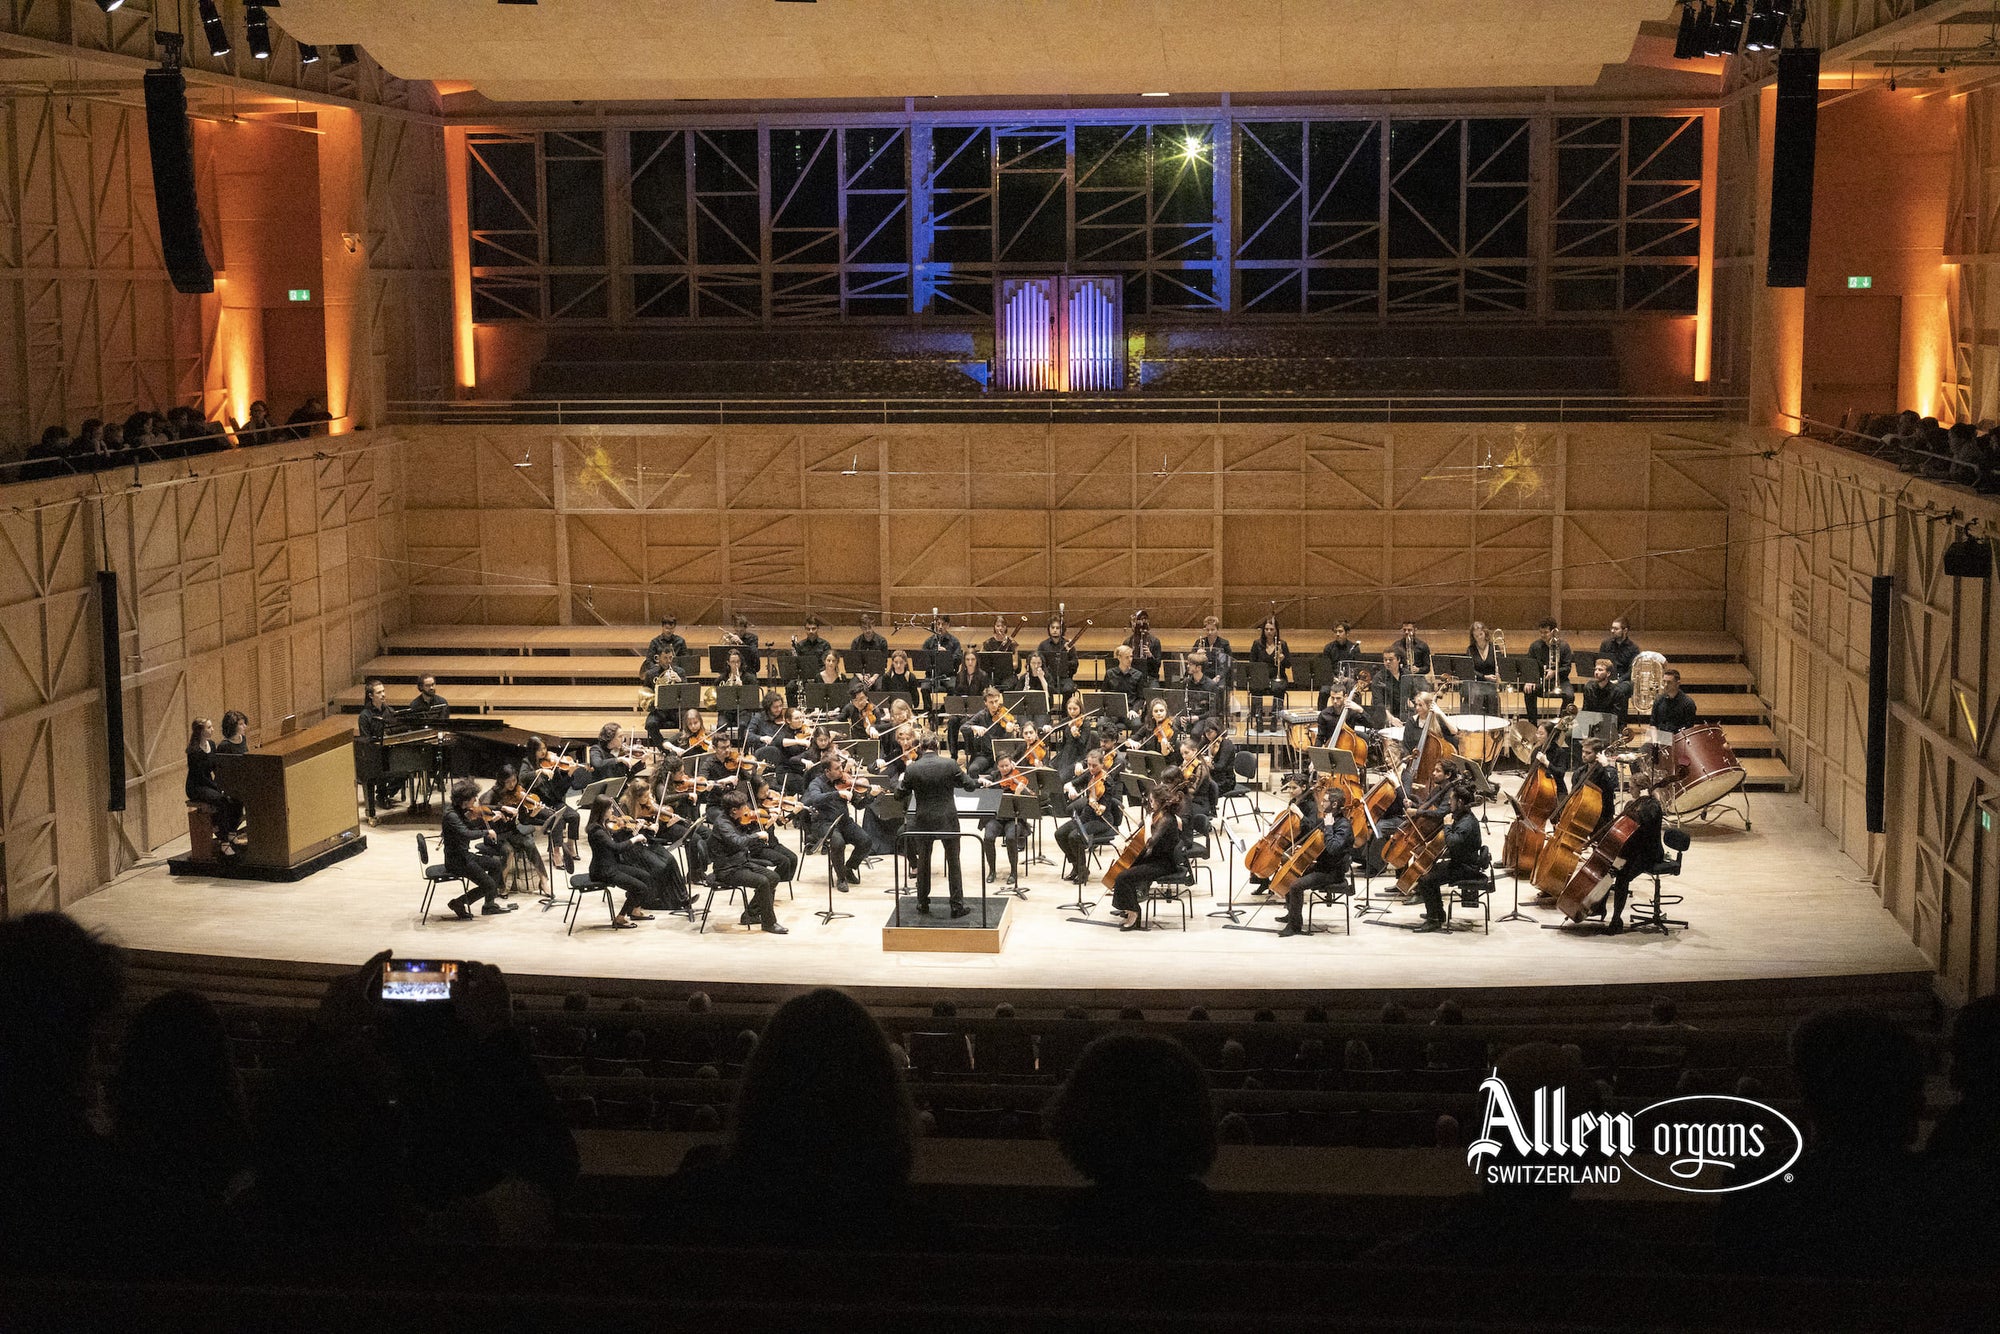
[(825, 761)]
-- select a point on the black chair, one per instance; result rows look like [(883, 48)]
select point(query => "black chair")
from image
[(1175, 887), (434, 876), (939, 1056), (1243, 772), (1473, 890), (1652, 916), (580, 884), (1343, 894)]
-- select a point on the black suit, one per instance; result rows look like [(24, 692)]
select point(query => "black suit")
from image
[(464, 857), (932, 779)]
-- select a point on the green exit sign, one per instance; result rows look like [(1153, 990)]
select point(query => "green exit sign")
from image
[(305, 293), (1986, 820), (1859, 282)]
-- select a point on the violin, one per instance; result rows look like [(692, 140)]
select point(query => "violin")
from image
[(525, 803), (1036, 751), (551, 764), (1004, 718)]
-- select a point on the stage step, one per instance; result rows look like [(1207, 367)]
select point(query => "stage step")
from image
[(407, 667), (1767, 773)]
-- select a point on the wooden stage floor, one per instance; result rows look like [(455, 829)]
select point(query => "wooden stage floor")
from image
[(1777, 902)]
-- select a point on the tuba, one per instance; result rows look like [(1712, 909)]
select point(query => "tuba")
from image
[(1649, 677)]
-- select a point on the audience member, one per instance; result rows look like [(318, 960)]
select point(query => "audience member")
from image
[(1134, 1118), (310, 418), (1970, 1131), (821, 1143), (177, 1108)]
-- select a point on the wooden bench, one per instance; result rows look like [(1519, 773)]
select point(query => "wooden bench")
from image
[(407, 667)]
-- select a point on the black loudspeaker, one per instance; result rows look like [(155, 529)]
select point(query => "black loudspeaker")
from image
[(1968, 557), (173, 181), (1792, 167), (114, 690), (1880, 595)]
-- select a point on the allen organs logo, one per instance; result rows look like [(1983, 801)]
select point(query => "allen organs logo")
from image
[(1673, 1143)]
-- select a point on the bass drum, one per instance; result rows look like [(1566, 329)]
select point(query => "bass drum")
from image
[(1705, 771)]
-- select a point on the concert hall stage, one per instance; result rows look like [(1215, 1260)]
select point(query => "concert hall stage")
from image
[(1776, 902)]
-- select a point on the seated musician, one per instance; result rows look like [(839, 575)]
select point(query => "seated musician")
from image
[(1034, 675), (1303, 794), (516, 818), (1674, 710), (1127, 680), (885, 816), (1204, 692), (1604, 693), (659, 671), (821, 747), (979, 732), (429, 707), (831, 797), (794, 744), (1371, 698), (201, 787), (1216, 654), (660, 668), (1424, 705), (1146, 651), (967, 679), (1002, 638), (1222, 758), (548, 778), (946, 653), (810, 652), (740, 635), (1554, 663), (737, 672), (859, 715), (470, 852), (1343, 652), (728, 769), (1155, 732), (694, 737), (1458, 860), (1642, 853), (869, 640), (658, 829), (235, 738), (1328, 873), (900, 678), (1057, 656), (830, 674), (609, 755), (1204, 794), (1013, 832), (899, 715), (1070, 738), (736, 841), (1596, 769), (668, 640), (1337, 703), (1094, 813), (1162, 855), (760, 733), (1620, 650), (610, 836)]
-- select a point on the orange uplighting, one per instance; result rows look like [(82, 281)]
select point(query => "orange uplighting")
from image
[(465, 362), (1704, 299)]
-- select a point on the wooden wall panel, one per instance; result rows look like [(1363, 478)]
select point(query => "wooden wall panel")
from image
[(1810, 527), (1366, 521)]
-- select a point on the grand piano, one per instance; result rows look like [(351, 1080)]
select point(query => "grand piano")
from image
[(472, 745)]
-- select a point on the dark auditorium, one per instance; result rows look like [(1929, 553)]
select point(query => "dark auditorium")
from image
[(609, 607)]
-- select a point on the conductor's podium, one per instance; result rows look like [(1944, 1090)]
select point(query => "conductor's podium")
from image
[(298, 806)]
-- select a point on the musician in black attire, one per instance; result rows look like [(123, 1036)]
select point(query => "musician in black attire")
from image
[(1459, 859), (1271, 650), (868, 640), (1674, 710), (746, 639), (668, 639), (1216, 651), (1414, 650), (968, 679), (1642, 853), (931, 779), (1549, 649), (1482, 687), (737, 863), (1014, 832), (899, 678), (1328, 872), (650, 852), (607, 755), (1034, 675), (1145, 645), (979, 732), (1127, 680), (658, 672), (608, 845), (1204, 692), (1222, 759), (810, 651), (1391, 686), (1336, 703), (847, 844), (946, 652), (1623, 653), (1595, 770), (857, 712), (1091, 816), (1604, 693), (376, 714), (760, 734), (1059, 658), (551, 784), (1162, 855), (235, 738), (1343, 653), (429, 707), (1424, 705), (1371, 698), (479, 865), (202, 787), (1204, 794), (1070, 738), (728, 771)]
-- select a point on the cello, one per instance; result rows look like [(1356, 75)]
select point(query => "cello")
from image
[(1568, 836), (1267, 854), (1591, 880), (1297, 861), (1135, 848)]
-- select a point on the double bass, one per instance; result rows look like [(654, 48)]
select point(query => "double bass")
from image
[(1568, 837), (1591, 880), (1533, 805)]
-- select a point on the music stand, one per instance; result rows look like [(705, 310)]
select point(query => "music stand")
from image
[(1453, 664), (1517, 670), (863, 661), (1034, 703), (718, 658), (822, 695), (1110, 704), (920, 661), (1257, 677), (1008, 748), (787, 663), (603, 787), (996, 664), (739, 699), (1027, 808), (865, 751), (960, 706), (686, 696), (1177, 699), (1589, 723)]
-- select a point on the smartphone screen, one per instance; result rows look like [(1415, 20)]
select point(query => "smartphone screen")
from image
[(419, 979)]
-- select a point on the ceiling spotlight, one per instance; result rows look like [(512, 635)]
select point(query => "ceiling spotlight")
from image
[(257, 27), (1765, 30), (110, 6), (211, 25), (1729, 17), (308, 54)]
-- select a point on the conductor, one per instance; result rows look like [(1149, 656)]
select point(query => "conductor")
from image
[(930, 778)]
